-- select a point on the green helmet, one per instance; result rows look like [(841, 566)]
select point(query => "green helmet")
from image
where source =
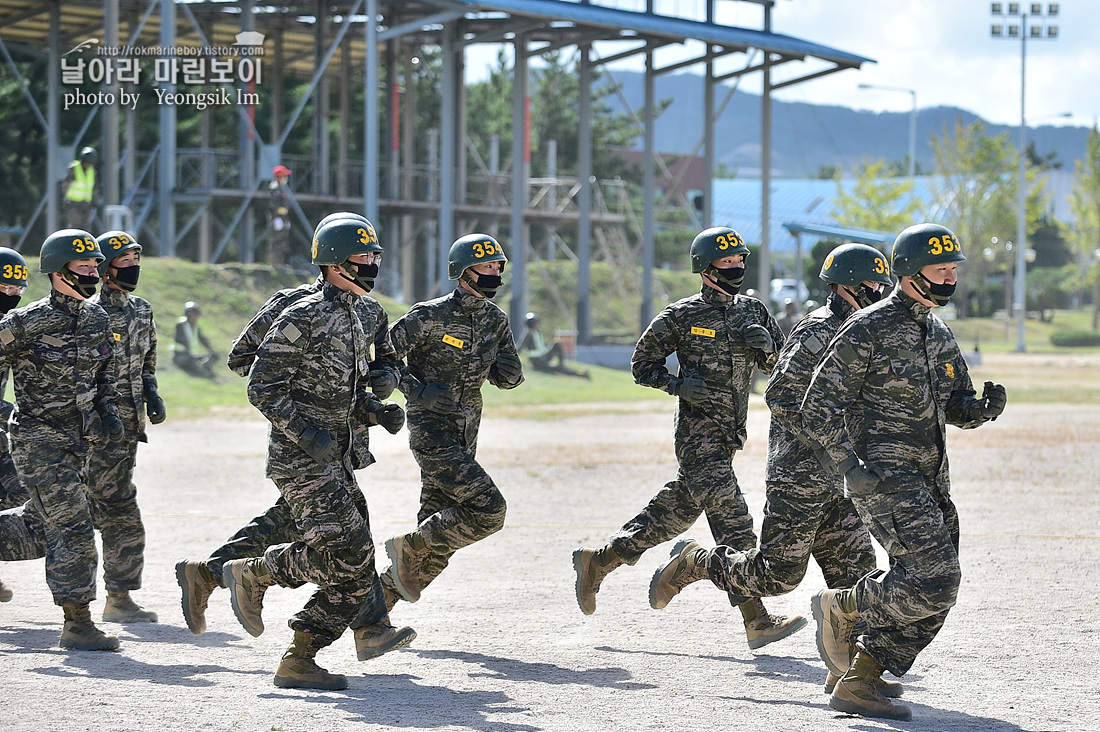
[(113, 244), (337, 240), (337, 216), (473, 249), (715, 243), (13, 268), (924, 244), (853, 264), (66, 245)]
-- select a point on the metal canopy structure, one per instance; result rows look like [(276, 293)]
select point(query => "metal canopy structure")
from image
[(416, 197)]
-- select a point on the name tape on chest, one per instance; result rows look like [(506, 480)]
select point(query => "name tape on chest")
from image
[(291, 333), (708, 332), (450, 340), (50, 340)]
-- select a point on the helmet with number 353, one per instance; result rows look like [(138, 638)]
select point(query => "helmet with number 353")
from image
[(715, 243), (67, 245), (337, 240), (114, 244), (924, 244)]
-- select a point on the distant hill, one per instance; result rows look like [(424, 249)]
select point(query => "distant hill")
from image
[(807, 137)]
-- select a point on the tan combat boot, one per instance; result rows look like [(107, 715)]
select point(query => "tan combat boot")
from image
[(247, 581), (762, 628), (592, 566), (371, 641), (80, 633), (407, 552), (857, 691), (298, 670), (686, 564), (197, 583), (834, 627), (120, 608), (5, 592), (887, 687)]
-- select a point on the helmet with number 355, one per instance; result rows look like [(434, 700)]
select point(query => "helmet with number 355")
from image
[(67, 245), (336, 241), (924, 244), (13, 268)]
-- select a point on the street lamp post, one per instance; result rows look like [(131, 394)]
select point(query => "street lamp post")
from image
[(912, 123), (1011, 31)]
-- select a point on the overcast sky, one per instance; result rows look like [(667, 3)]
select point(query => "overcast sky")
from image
[(942, 49)]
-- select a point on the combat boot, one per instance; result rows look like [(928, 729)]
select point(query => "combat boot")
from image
[(298, 670), (762, 628), (5, 592), (407, 552), (835, 614), (686, 564), (80, 633), (371, 641), (592, 566), (120, 608), (197, 583), (888, 688), (857, 691), (247, 581)]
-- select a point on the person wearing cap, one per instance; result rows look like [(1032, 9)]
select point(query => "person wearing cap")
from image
[(82, 190), (278, 230), (111, 486), (186, 353), (543, 355), (61, 355)]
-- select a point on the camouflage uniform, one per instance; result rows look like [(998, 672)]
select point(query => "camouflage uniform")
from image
[(11, 490), (885, 389), (806, 511), (276, 525), (111, 467), (705, 332), (59, 340), (454, 340), (309, 370)]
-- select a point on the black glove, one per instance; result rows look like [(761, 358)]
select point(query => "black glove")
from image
[(154, 406), (391, 416), (993, 400), (758, 337), (320, 444), (112, 427), (690, 389), (860, 478), (509, 366), (435, 397), (382, 382)]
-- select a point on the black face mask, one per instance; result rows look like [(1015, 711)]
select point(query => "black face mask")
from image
[(361, 274), (729, 278), (865, 296), (939, 294), (484, 284), (127, 277), (83, 284), (8, 302)]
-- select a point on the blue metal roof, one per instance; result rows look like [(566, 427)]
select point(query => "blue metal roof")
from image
[(841, 233), (665, 26), (805, 202)]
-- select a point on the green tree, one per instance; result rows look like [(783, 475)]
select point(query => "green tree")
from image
[(876, 202), (1085, 202)]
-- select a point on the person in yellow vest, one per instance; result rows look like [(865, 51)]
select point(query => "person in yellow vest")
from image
[(82, 190)]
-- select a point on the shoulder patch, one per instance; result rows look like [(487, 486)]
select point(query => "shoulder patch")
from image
[(813, 345), (847, 353), (6, 336), (291, 332)]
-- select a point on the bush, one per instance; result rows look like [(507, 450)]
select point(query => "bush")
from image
[(1072, 338)]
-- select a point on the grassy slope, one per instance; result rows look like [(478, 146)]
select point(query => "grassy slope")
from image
[(230, 294)]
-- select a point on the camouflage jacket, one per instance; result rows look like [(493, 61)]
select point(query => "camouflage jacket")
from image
[(899, 367), (452, 340), (59, 350), (134, 336), (705, 333), (308, 370), (790, 456)]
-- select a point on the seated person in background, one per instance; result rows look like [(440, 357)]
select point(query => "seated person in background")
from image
[(185, 351), (542, 355)]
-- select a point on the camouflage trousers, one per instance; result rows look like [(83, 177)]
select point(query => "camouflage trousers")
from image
[(115, 514), (799, 521), (705, 483), (905, 607), (459, 503), (11, 490), (331, 548), (61, 516), (22, 536)]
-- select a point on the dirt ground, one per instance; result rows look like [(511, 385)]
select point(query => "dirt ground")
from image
[(502, 645)]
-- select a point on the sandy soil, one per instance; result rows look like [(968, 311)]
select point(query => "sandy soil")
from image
[(502, 645)]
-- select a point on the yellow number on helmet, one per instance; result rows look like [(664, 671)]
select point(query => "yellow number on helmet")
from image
[(935, 246), (479, 250), (829, 262), (881, 267)]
